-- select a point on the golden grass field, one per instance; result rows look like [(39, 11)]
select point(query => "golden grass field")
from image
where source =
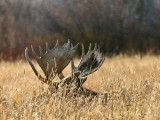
[(132, 84)]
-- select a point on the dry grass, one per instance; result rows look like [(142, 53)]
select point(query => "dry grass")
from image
[(133, 85)]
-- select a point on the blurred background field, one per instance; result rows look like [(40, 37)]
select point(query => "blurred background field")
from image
[(120, 27), (132, 84)]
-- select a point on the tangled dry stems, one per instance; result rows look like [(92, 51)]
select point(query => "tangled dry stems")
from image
[(132, 84)]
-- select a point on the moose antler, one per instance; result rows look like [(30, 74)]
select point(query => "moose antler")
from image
[(53, 61), (90, 62)]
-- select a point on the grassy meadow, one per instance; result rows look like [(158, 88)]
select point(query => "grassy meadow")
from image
[(132, 84)]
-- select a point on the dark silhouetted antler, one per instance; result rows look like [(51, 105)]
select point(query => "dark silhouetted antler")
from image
[(90, 62), (53, 61)]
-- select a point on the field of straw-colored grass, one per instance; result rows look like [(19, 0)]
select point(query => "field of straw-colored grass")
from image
[(132, 84)]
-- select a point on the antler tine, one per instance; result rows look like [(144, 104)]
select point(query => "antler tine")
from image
[(34, 53), (47, 47), (40, 50), (69, 41), (72, 66), (95, 48), (90, 47), (71, 45), (75, 47), (32, 66), (98, 48), (57, 43), (83, 52), (67, 45)]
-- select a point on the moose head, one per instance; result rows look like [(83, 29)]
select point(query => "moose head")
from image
[(54, 60)]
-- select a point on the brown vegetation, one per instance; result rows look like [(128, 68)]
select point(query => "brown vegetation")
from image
[(132, 83)]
